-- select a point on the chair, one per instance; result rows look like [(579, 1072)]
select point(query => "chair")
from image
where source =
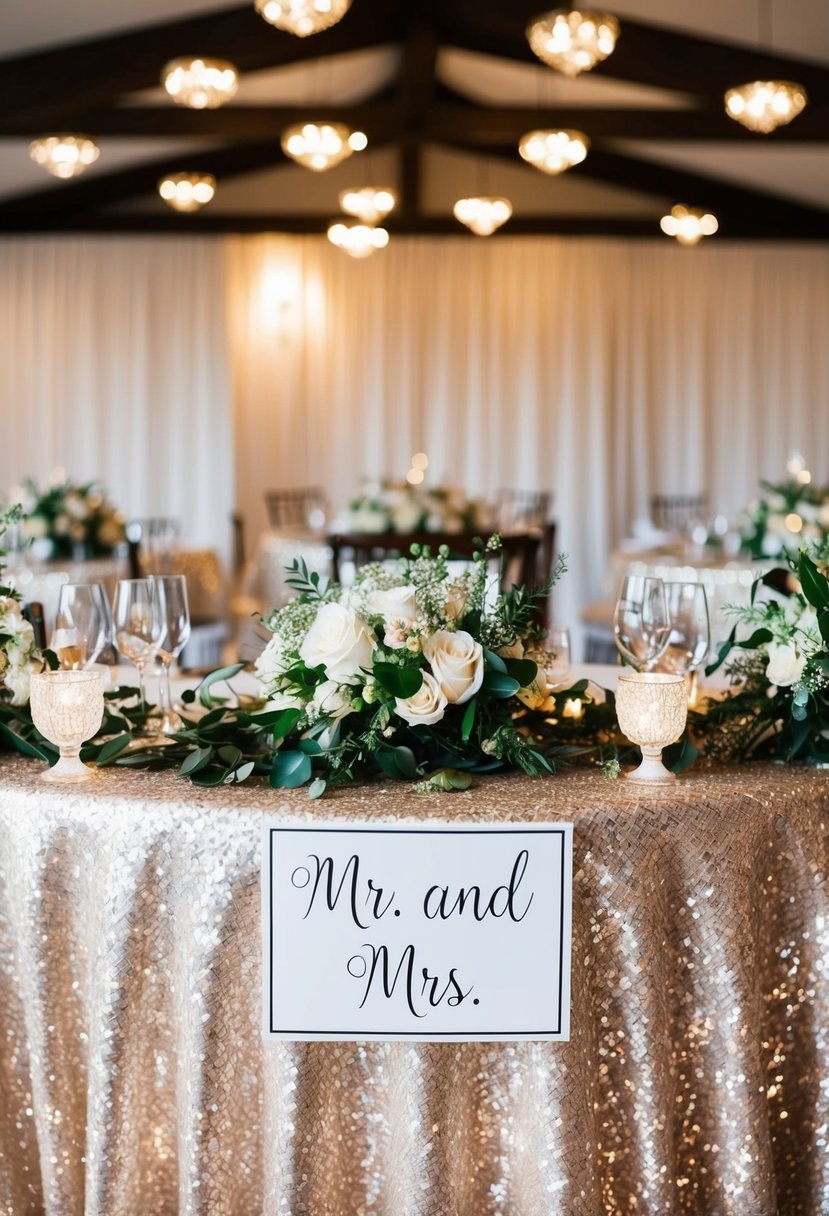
[(520, 509), (238, 524), (296, 508), (520, 549), (673, 512)]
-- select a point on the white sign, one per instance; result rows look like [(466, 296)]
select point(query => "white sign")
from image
[(433, 933)]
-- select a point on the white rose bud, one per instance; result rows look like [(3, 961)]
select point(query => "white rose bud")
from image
[(785, 665), (339, 642), (395, 603), (426, 707), (457, 661), (332, 701)]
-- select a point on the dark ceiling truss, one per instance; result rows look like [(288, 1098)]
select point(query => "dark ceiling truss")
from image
[(82, 88)]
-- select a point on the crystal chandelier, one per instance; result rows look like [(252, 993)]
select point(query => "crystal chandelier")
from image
[(201, 84), (482, 215), (321, 145), (763, 105), (187, 191), (302, 17), (368, 203), (572, 41), (554, 151), (688, 224), (357, 239), (64, 155)]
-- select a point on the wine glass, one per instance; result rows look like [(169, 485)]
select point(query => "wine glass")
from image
[(690, 633), (172, 629), (640, 622), (82, 625), (556, 660), (134, 626)]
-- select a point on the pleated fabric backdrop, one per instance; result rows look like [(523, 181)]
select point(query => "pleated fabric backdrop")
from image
[(606, 371)]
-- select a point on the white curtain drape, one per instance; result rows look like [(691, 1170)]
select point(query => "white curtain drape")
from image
[(605, 371), (114, 367)]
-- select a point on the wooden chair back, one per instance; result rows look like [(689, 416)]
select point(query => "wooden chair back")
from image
[(294, 508)]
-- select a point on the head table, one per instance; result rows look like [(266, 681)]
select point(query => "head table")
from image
[(134, 1078)]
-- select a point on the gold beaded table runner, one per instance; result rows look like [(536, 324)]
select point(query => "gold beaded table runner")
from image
[(134, 1078)]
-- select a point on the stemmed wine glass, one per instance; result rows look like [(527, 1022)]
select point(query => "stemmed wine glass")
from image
[(172, 629), (135, 627), (82, 625), (641, 625), (690, 632)]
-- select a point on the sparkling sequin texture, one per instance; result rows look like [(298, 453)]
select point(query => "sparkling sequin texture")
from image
[(133, 1076)]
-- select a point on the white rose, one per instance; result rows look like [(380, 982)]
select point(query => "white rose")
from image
[(339, 642), (772, 546), (394, 604), (271, 663), (426, 707), (18, 680), (457, 661), (369, 520), (331, 701), (785, 665), (282, 700)]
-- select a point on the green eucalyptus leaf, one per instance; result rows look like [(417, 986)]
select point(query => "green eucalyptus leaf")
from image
[(310, 747), (317, 787), (25, 746), (399, 681), (216, 677), (231, 756), (196, 760), (500, 685), (724, 650), (244, 771), (290, 770), (823, 624), (495, 662), (397, 762), (112, 748), (285, 723)]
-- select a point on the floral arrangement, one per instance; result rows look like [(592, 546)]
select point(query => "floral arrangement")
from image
[(391, 506), (71, 516), (411, 670), (777, 658), (786, 516), (19, 656)]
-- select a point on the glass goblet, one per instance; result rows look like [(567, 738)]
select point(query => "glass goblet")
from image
[(135, 626), (652, 709), (690, 632), (67, 708), (555, 658), (640, 620), (172, 629), (81, 625)]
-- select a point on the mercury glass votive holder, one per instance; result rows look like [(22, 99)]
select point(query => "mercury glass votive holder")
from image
[(67, 708), (652, 708)]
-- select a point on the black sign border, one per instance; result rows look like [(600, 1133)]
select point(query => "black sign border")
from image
[(377, 1035)]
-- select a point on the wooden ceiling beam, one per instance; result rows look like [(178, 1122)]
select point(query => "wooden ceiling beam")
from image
[(216, 223), (69, 80), (451, 119), (645, 54)]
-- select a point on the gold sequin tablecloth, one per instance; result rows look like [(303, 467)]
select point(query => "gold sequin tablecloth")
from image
[(134, 1080)]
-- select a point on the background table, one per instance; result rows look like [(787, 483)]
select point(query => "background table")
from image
[(133, 1076)]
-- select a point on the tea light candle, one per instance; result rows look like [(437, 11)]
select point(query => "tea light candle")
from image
[(652, 708), (67, 708), (573, 708)]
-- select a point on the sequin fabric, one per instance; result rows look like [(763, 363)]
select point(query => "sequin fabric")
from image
[(134, 1080)]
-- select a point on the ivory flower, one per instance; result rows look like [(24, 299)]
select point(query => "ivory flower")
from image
[(785, 665), (337, 641), (457, 661), (426, 707)]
